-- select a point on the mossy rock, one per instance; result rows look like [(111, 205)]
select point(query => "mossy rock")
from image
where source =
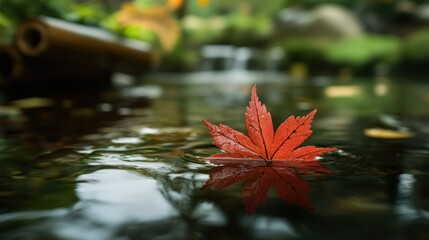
[(360, 51)]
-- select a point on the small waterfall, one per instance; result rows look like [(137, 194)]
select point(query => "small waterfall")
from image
[(217, 57), (273, 59), (231, 58), (242, 57)]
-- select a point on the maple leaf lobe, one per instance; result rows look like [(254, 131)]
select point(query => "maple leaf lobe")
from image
[(262, 141), (233, 142), (259, 125)]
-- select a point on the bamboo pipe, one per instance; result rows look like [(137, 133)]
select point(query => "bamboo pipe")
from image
[(63, 41)]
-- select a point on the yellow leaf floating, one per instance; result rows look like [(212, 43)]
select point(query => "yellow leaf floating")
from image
[(387, 133)]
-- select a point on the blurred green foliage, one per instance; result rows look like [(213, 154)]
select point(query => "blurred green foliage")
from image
[(357, 52), (200, 30), (145, 3), (5, 28), (13, 12), (243, 29), (91, 13), (241, 23), (366, 49), (133, 32), (18, 10), (304, 49), (416, 46)]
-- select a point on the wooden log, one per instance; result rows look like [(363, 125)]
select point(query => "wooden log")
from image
[(56, 41)]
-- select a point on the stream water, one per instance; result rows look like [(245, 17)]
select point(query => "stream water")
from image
[(125, 164)]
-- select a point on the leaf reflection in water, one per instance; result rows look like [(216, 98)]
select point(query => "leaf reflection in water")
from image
[(258, 176)]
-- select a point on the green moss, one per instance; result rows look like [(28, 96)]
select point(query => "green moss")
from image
[(364, 50), (304, 49)]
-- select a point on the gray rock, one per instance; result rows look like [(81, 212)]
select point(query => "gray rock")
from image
[(326, 21)]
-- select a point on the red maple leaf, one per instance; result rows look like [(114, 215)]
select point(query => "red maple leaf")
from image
[(263, 143), (265, 157)]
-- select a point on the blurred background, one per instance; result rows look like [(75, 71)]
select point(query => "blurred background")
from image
[(101, 104), (301, 37)]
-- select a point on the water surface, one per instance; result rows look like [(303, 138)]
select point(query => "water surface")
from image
[(125, 164)]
